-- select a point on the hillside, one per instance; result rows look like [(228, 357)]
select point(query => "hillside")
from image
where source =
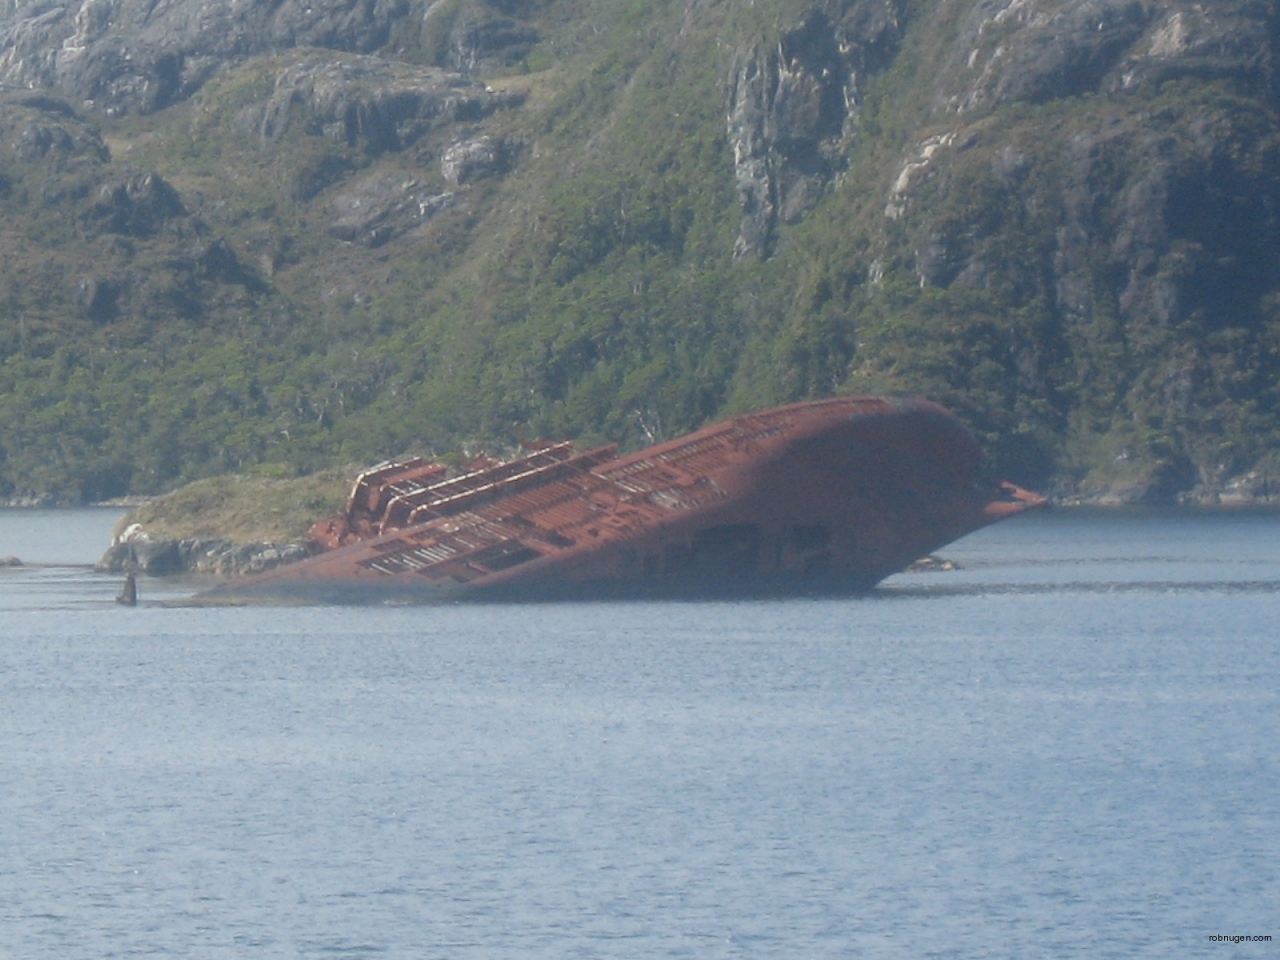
[(300, 234)]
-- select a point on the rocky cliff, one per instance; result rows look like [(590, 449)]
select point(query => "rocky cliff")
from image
[(244, 232)]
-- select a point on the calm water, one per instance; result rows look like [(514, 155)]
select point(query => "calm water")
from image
[(1068, 748)]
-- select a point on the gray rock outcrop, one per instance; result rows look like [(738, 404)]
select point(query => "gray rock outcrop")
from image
[(383, 205), (139, 553), (792, 104), (46, 132), (1034, 51), (1155, 226), (126, 56), (137, 206), (468, 160), (373, 104)]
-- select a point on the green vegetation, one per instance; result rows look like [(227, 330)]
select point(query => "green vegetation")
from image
[(591, 290), (254, 508)]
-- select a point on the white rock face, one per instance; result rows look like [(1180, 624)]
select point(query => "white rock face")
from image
[(129, 56)]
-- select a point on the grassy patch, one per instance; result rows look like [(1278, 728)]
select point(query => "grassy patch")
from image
[(245, 508)]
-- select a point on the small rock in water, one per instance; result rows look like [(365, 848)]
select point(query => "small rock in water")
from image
[(10, 562), (932, 564)]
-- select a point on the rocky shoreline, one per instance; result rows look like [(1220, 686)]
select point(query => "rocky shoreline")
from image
[(136, 552), (1253, 488)]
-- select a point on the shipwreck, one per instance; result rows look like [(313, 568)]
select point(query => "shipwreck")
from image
[(824, 496)]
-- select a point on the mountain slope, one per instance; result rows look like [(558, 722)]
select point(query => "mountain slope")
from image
[(297, 234)]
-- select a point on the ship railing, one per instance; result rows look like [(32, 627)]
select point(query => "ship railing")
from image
[(398, 508), (510, 484), (363, 483), (401, 510)]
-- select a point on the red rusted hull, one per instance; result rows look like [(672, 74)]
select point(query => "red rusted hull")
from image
[(826, 495)]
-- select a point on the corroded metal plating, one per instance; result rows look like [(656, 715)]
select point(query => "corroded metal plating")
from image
[(826, 495)]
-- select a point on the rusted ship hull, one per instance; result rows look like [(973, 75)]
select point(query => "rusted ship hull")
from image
[(830, 495)]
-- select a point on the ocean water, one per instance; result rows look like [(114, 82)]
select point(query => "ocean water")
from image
[(1065, 748)]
